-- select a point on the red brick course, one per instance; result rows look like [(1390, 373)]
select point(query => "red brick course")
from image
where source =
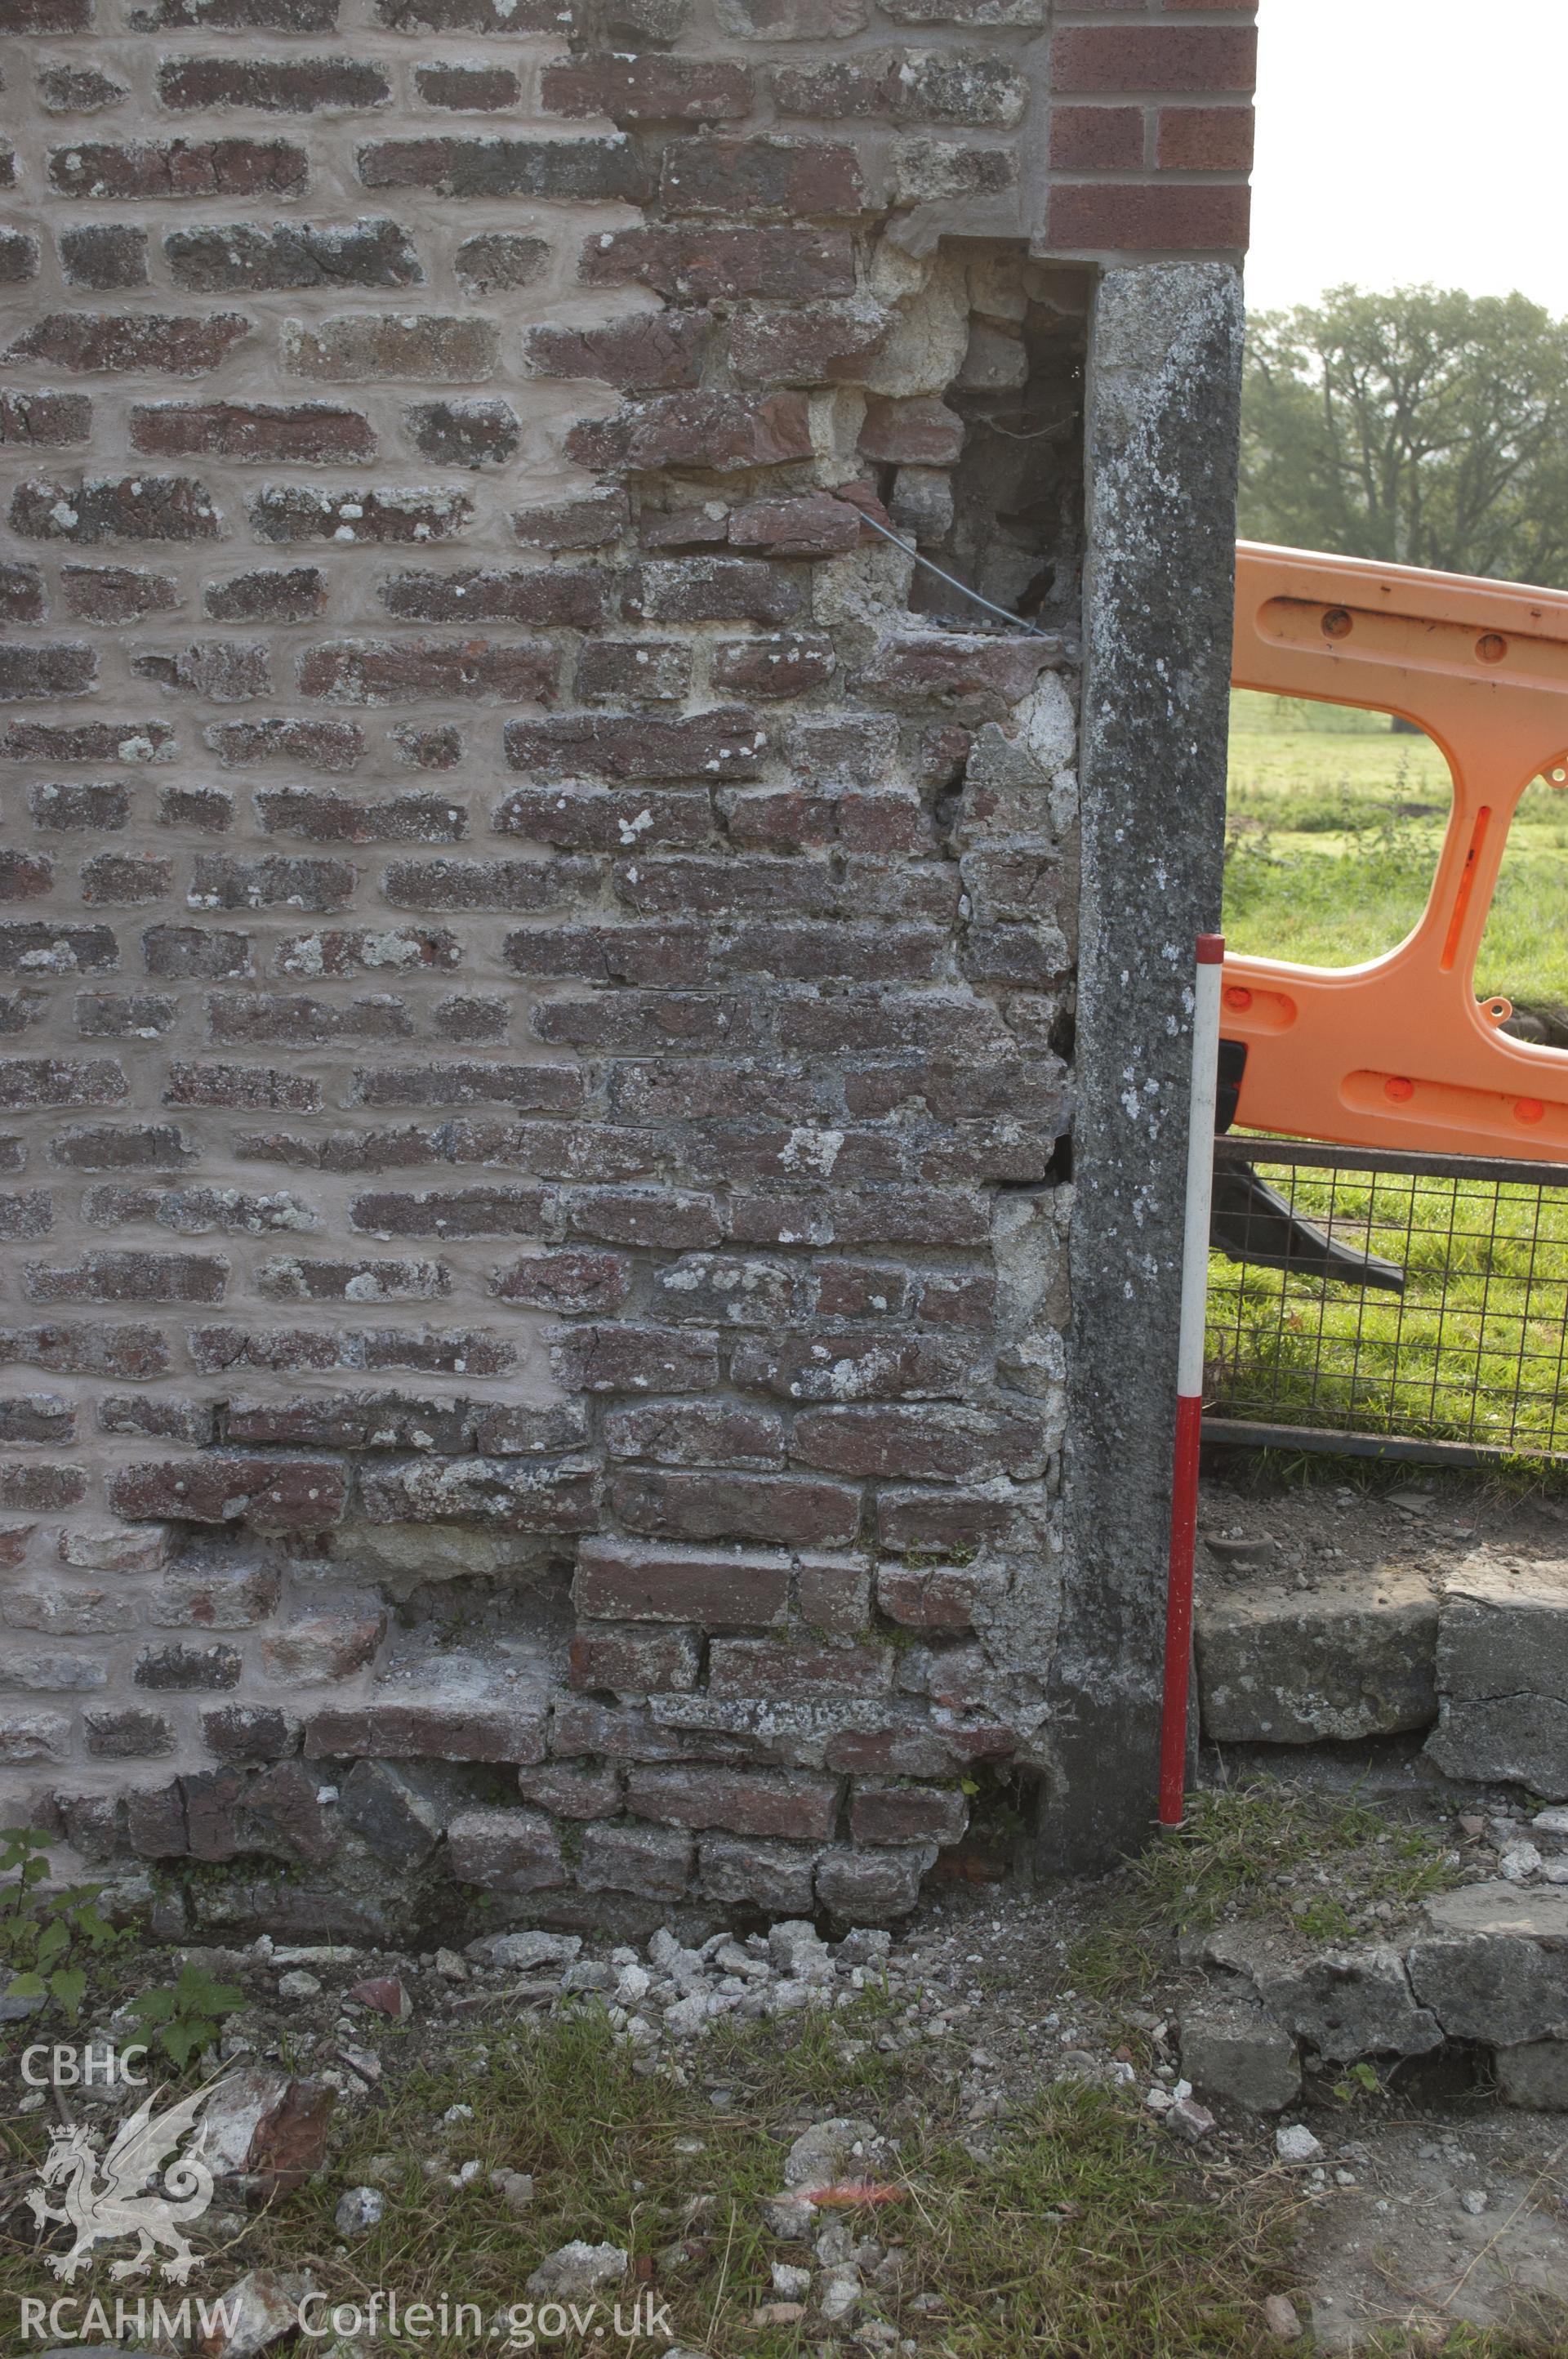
[(536, 960)]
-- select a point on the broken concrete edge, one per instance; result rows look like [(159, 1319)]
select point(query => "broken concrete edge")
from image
[(1489, 1969), (1477, 1661), (1162, 443)]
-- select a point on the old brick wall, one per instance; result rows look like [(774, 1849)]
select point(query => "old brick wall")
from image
[(539, 971)]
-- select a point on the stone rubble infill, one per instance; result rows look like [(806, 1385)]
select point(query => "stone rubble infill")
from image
[(680, 1991), (657, 1999), (1489, 1967)]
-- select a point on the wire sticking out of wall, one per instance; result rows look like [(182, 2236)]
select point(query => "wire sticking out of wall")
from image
[(1002, 613)]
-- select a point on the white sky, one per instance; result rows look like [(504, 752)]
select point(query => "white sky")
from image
[(1408, 140)]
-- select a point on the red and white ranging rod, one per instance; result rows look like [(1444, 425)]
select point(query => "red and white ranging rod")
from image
[(1189, 1377)]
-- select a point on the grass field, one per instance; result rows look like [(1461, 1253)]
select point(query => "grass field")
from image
[(1332, 832)]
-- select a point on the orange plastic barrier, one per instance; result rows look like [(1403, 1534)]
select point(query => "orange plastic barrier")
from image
[(1398, 1052)]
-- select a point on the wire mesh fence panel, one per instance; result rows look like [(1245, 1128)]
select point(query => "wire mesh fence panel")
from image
[(1420, 1302)]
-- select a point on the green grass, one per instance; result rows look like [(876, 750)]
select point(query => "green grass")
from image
[(1334, 829), (1333, 835), (1471, 1352), (1076, 2227), (1266, 1853)]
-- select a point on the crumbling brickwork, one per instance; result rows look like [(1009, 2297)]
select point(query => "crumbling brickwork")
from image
[(539, 971)]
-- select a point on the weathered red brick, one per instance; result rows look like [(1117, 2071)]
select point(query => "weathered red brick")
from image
[(44, 421), (573, 1791), (124, 1014), (296, 512), (965, 1444), (725, 741), (762, 1667), (511, 885), (792, 178), (629, 1660), (501, 262), (511, 1429), (100, 1147), (221, 671), (415, 347), (657, 1218), (505, 1850), (697, 1433), (49, 668), (630, 1359), (698, 263), (430, 1730), (267, 595), (123, 880), (106, 255), (242, 255), (247, 1088), (654, 1863), (628, 670), (464, 433), (141, 508), (584, 523), (46, 16), (289, 1279), (643, 351), (602, 819), (571, 594), (922, 433), (116, 594), (907, 1814), (295, 1020), (469, 89), (21, 593), (566, 1282), (718, 1506), (290, 86), (195, 951), (532, 1089), (268, 1495), (179, 167), (469, 16), (838, 1367), (60, 1082), (782, 663), (811, 343), (705, 429), (129, 1278), (252, 433), (320, 815), (565, 170), (437, 748), (25, 875), (405, 671), (648, 89), (742, 1801), (307, 744), (974, 671), (508, 1494)]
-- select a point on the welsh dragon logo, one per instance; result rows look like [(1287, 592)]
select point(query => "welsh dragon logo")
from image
[(99, 2210)]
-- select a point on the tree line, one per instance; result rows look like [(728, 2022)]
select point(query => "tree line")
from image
[(1422, 426)]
